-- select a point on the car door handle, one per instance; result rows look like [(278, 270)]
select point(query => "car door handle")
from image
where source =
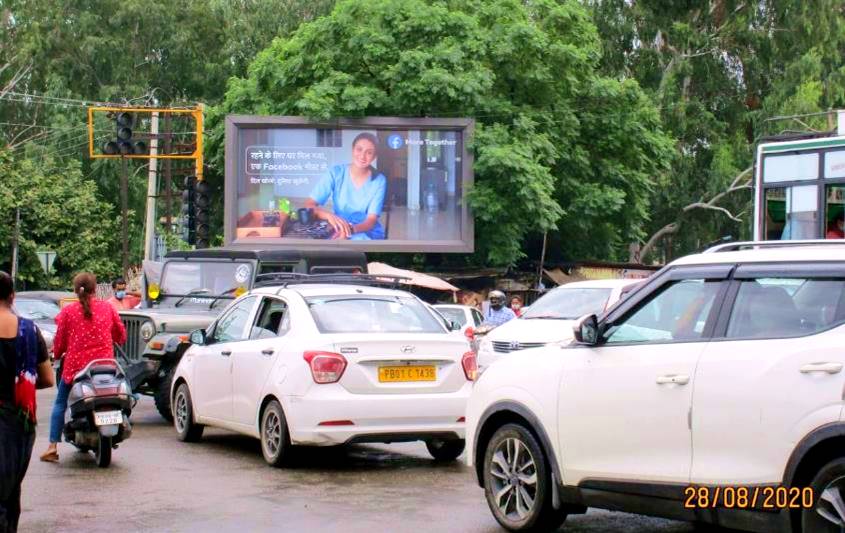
[(226, 353), (268, 351), (676, 379), (830, 368)]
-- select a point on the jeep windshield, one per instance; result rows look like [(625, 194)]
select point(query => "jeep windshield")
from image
[(569, 304), (200, 283)]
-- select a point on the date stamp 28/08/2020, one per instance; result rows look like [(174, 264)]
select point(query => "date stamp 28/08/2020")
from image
[(751, 497)]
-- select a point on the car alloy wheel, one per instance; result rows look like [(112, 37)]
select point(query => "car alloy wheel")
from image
[(828, 510), (518, 481), (275, 440), (272, 434), (514, 474), (180, 411)]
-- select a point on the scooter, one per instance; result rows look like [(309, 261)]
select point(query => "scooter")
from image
[(100, 402)]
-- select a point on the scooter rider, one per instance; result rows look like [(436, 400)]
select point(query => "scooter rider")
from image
[(497, 314)]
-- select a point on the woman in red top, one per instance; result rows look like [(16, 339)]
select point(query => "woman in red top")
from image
[(85, 330)]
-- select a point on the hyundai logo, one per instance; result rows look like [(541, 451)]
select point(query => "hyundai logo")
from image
[(408, 349), (514, 345)]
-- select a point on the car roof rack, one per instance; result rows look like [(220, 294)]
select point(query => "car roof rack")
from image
[(284, 279), (745, 245)]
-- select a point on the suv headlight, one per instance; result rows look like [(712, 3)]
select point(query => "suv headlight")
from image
[(147, 331)]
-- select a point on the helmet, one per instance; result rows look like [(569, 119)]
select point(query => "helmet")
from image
[(497, 298)]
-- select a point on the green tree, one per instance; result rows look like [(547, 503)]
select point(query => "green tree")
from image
[(60, 211), (718, 70), (558, 148)]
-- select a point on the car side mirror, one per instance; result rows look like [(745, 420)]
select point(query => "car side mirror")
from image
[(198, 337), (586, 330), (454, 326)]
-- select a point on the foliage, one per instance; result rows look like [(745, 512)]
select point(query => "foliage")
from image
[(60, 211), (717, 70), (525, 70)]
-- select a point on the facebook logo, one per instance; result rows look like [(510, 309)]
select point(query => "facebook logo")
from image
[(395, 141)]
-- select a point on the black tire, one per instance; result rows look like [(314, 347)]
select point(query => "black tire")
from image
[(275, 439), (162, 394), (183, 420), (827, 485), (103, 452), (517, 502), (445, 449)]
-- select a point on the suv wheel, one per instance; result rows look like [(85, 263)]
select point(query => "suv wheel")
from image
[(275, 439), (828, 513), (445, 450), (517, 481), (162, 394), (183, 420)]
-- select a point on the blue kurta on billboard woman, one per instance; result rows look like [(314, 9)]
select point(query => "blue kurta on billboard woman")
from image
[(351, 203)]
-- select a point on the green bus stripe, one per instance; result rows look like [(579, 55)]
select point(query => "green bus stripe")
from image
[(839, 141)]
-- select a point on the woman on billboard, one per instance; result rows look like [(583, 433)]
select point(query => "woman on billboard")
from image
[(357, 193)]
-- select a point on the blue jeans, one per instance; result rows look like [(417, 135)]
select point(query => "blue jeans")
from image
[(57, 419)]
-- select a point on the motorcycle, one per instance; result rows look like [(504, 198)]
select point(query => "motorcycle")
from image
[(100, 402)]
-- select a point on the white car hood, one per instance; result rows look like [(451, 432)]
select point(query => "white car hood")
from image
[(533, 330)]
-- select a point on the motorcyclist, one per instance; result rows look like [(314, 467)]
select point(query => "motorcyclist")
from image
[(497, 314)]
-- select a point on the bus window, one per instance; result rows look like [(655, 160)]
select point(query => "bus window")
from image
[(791, 212), (835, 212)]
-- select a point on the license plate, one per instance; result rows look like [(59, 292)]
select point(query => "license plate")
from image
[(389, 374), (108, 418)]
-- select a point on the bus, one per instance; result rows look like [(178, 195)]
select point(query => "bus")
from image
[(800, 186)]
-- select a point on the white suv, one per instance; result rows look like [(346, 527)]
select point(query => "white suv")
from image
[(713, 393)]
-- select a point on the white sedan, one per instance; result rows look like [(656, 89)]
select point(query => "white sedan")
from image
[(323, 365)]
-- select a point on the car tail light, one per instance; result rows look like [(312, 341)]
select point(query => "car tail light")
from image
[(326, 367), (470, 364), (470, 334)]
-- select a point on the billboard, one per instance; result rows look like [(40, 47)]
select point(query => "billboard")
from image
[(372, 184)]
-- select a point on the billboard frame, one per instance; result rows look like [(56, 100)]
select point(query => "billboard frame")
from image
[(235, 123)]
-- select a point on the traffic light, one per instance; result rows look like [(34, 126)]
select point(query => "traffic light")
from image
[(189, 209), (123, 143), (201, 215)]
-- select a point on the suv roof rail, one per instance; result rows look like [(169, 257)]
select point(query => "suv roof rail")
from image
[(283, 279), (743, 245)]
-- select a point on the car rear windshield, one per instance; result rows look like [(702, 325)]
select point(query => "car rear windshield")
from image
[(372, 314), (453, 314), (36, 309), (569, 304)]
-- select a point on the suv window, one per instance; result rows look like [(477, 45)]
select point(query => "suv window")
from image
[(677, 312), (270, 320), (231, 326), (785, 307)]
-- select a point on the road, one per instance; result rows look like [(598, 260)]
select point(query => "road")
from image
[(156, 483)]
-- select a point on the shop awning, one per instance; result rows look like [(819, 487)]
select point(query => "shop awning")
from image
[(414, 278)]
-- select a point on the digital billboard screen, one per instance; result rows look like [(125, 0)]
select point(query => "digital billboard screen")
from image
[(373, 184)]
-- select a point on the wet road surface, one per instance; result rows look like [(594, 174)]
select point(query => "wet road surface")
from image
[(156, 483)]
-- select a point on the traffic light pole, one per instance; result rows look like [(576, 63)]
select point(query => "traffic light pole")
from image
[(152, 186), (124, 208)]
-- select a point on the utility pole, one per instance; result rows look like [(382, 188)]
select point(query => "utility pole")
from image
[(152, 187), (542, 260), (168, 174), (124, 208), (15, 238)]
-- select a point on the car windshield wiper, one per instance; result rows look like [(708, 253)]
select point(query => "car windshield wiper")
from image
[(554, 317), (222, 296), (190, 293)]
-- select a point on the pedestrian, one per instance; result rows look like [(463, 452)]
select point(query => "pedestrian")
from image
[(123, 299), (85, 330), (497, 313), (24, 367), (516, 305)]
